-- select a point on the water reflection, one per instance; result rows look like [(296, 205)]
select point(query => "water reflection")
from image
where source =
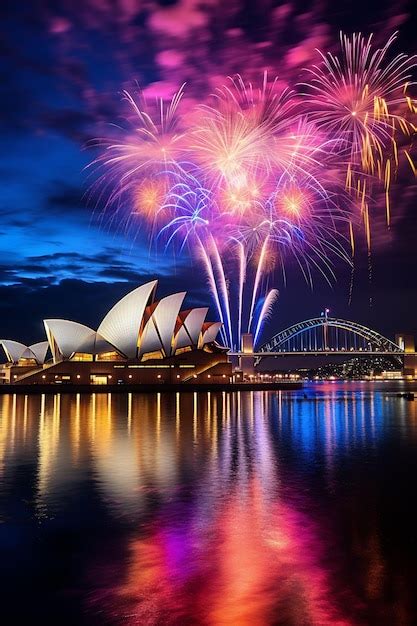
[(244, 508)]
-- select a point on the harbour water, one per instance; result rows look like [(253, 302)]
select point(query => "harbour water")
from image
[(246, 508)]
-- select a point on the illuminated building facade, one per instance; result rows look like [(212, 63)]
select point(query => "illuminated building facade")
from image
[(140, 340)]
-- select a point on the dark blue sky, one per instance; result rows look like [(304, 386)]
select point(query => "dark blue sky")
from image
[(63, 66)]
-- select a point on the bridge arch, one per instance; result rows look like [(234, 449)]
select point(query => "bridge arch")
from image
[(351, 331)]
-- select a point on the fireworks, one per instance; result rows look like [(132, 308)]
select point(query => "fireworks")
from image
[(150, 143), (361, 99), (260, 174), (355, 97), (236, 134)]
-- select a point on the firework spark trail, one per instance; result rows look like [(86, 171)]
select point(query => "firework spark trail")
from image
[(258, 174), (258, 277), (223, 287), (265, 312), (242, 277), (213, 285), (352, 273)]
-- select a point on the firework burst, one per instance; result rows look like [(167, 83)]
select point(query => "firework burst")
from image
[(360, 98), (259, 174)]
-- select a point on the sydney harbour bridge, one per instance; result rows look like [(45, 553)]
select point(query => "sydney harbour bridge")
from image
[(331, 336)]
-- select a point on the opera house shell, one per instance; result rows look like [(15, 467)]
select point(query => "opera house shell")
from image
[(16, 351), (138, 328)]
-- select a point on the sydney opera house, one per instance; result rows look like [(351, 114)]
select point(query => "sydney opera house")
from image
[(141, 340)]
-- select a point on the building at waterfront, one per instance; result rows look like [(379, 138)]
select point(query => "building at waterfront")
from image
[(140, 340)]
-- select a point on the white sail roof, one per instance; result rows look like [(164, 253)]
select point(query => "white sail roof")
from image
[(95, 344), (39, 351), (189, 331), (194, 323), (13, 349), (159, 329), (68, 336), (133, 327), (211, 332), (122, 323), (150, 340), (182, 338)]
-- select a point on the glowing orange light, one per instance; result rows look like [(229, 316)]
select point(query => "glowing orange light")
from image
[(240, 194), (292, 202), (149, 198), (237, 200)]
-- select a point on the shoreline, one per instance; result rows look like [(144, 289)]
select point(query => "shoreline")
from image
[(143, 388)]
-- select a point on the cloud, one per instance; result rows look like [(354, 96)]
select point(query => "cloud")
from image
[(66, 197), (108, 265), (181, 18), (74, 124), (61, 265)]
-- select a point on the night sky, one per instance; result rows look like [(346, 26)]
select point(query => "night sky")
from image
[(63, 66)]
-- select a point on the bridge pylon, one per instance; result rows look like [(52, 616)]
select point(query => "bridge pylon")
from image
[(407, 343), (246, 358)]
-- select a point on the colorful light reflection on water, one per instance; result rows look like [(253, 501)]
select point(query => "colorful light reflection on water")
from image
[(252, 508)]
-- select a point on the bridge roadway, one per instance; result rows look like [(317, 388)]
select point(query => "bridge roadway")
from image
[(324, 353)]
